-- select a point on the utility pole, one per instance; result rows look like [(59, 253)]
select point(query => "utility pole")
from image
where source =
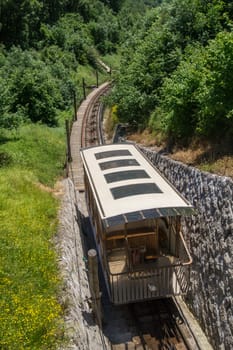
[(75, 105), (94, 285), (69, 158), (84, 90), (97, 78)]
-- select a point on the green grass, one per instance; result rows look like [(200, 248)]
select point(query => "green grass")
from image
[(89, 75), (30, 315), (39, 149), (112, 61)]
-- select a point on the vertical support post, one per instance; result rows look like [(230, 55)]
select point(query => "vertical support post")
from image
[(75, 105), (69, 158), (157, 248), (84, 90), (169, 230), (94, 285), (97, 78), (177, 252)]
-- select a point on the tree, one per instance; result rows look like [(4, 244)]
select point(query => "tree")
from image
[(70, 34), (215, 116), (178, 105), (196, 100), (31, 91), (144, 67), (20, 22)]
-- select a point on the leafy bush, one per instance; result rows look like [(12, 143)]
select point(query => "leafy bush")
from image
[(5, 159), (105, 32), (142, 73), (32, 89), (177, 107), (174, 75), (36, 94), (70, 34), (196, 99), (215, 115)]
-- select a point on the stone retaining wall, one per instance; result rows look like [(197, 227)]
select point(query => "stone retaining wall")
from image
[(81, 332), (209, 236)]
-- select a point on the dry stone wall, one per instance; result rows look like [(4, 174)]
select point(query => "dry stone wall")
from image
[(209, 235), (81, 331)]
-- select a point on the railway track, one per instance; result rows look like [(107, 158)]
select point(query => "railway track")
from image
[(92, 133), (156, 324)]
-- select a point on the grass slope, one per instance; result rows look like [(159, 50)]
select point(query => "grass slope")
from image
[(30, 315)]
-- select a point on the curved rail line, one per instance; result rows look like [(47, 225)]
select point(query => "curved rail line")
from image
[(92, 127), (155, 325)]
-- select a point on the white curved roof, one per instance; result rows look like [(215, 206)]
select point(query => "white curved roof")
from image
[(127, 187)]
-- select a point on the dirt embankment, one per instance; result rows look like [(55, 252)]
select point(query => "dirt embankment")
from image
[(216, 158)]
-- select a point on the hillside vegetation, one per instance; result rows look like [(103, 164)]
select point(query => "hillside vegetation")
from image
[(176, 73)]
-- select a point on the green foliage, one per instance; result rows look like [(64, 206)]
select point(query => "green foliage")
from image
[(62, 67), (34, 86), (30, 89), (133, 20), (21, 20), (5, 159), (175, 76), (37, 95), (36, 83), (142, 73), (215, 115), (69, 34), (114, 4), (196, 99), (196, 20), (105, 34), (177, 107)]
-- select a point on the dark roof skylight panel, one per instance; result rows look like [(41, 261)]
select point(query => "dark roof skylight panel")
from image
[(126, 175), (134, 190), (113, 153), (118, 163)]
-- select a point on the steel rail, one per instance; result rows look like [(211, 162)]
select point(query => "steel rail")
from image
[(91, 133), (191, 346)]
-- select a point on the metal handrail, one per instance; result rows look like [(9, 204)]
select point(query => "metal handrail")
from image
[(166, 280), (146, 268), (160, 282)]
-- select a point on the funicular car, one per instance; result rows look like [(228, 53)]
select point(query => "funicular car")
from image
[(136, 219)]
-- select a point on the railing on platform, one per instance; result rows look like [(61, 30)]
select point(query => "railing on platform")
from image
[(150, 283)]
